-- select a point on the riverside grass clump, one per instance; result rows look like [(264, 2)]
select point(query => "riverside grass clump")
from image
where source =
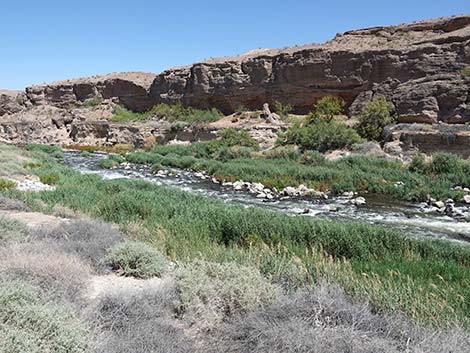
[(287, 166), (427, 281), (170, 112), (112, 161)]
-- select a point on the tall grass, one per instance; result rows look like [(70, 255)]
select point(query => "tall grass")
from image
[(426, 280)]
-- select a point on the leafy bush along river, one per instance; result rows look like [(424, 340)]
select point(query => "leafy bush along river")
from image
[(428, 281)]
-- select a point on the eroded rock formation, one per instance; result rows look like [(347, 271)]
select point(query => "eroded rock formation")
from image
[(416, 66)]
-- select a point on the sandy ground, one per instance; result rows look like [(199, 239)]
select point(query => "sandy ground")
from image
[(34, 219)]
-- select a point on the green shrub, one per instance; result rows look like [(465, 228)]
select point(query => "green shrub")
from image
[(326, 109), (210, 291), (231, 137), (136, 259), (6, 184), (375, 116), (32, 165), (53, 151), (93, 102), (112, 161), (86, 154), (283, 109), (321, 136), (287, 152), (121, 115), (27, 324), (418, 164), (445, 163), (171, 112), (49, 179)]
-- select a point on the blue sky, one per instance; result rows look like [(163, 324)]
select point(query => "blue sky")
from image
[(43, 41)]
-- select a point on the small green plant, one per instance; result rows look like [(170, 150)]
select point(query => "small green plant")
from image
[(86, 154), (376, 115), (32, 165), (111, 162), (445, 163), (326, 109), (136, 259), (6, 184), (93, 102), (231, 137), (53, 151), (11, 230), (283, 109), (49, 179)]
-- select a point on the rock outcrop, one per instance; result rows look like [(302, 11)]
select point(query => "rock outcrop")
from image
[(416, 66), (11, 101), (428, 138), (129, 89)]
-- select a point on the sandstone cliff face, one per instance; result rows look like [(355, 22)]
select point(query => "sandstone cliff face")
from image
[(416, 66), (129, 89)]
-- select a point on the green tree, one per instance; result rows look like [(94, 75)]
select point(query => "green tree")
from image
[(375, 116), (326, 109)]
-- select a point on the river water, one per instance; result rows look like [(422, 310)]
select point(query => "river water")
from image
[(411, 218)]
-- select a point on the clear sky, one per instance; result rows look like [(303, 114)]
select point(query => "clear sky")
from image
[(43, 41)]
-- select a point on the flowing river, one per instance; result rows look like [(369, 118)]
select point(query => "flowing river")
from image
[(411, 218)]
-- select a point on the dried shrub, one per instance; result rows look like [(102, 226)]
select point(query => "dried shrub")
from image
[(210, 291)]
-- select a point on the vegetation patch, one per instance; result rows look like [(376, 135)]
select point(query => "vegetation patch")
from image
[(53, 151), (93, 102), (172, 113), (322, 132), (6, 184), (283, 109), (377, 114), (11, 230), (27, 324), (49, 179), (210, 292), (136, 259), (193, 227), (111, 162)]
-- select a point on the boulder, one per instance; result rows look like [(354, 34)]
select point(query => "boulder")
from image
[(466, 199)]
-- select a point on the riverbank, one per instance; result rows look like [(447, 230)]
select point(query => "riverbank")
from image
[(427, 281)]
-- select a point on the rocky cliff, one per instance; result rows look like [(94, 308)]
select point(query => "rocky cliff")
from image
[(421, 67)]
